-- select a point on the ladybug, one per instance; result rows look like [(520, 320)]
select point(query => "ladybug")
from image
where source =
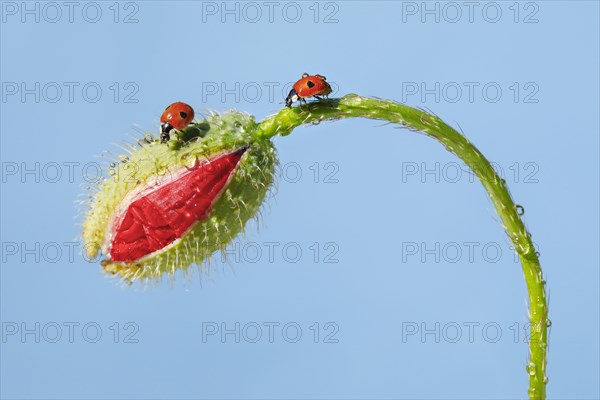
[(309, 86), (177, 116)]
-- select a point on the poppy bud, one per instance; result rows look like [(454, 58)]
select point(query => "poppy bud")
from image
[(165, 207)]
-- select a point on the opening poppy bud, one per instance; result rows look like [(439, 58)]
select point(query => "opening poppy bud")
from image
[(165, 208)]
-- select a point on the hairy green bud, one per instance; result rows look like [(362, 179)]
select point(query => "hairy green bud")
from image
[(149, 167)]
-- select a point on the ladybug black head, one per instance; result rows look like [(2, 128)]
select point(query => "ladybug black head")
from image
[(165, 127), (292, 97)]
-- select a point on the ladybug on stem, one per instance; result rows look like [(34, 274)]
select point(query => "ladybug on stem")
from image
[(309, 86), (176, 116)]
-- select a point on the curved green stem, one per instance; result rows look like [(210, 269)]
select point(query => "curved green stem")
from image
[(352, 106)]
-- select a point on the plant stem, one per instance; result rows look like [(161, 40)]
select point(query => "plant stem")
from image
[(353, 106)]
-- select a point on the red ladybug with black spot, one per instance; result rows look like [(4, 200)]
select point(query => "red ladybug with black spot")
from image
[(176, 116), (309, 86)]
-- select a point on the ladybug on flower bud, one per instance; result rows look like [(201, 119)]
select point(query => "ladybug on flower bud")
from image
[(176, 116), (309, 86)]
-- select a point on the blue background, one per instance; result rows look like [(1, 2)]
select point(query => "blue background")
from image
[(376, 290)]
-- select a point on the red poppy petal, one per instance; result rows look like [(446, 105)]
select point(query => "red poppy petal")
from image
[(161, 216)]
